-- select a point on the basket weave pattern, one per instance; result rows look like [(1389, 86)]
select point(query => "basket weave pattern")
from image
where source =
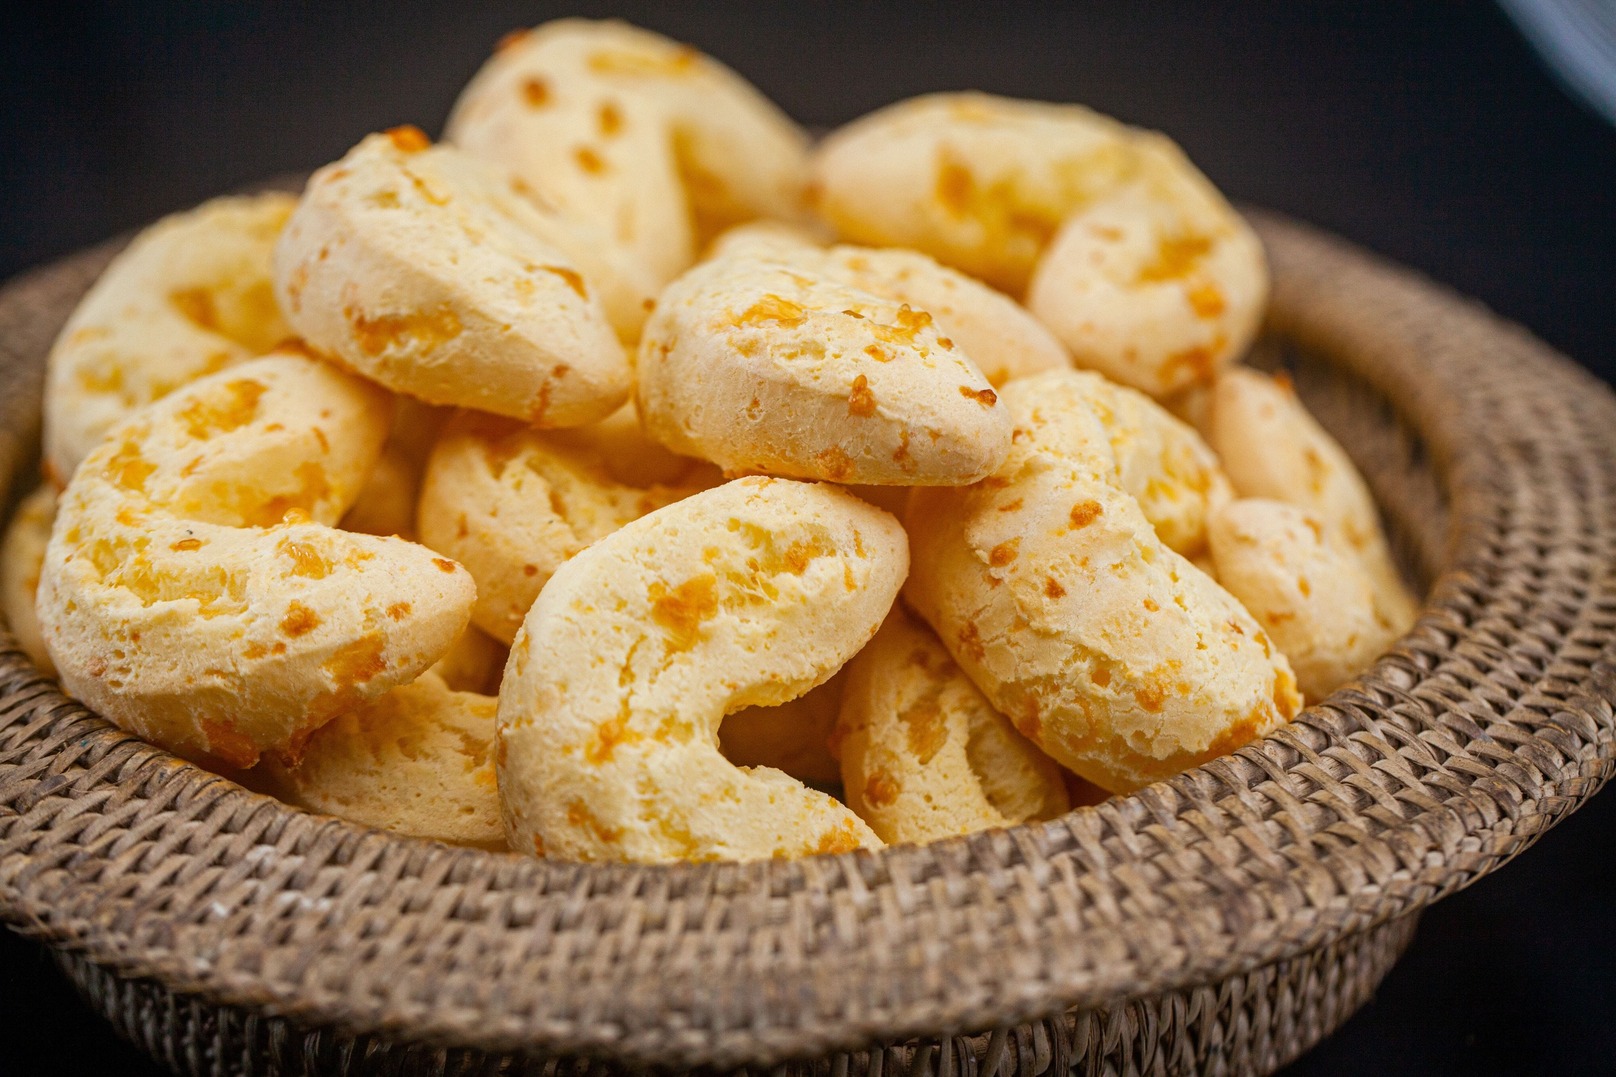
[(1253, 1023), (1222, 921)]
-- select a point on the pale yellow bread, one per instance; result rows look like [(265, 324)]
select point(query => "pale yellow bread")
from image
[(418, 761), (652, 142), (748, 594), (1052, 590), (22, 554), (1161, 461), (1118, 244), (924, 755), (420, 267), (761, 364), (503, 498), (1272, 447), (190, 295), (194, 591), (1157, 284), (981, 183), (1311, 593), (512, 503), (1002, 338)]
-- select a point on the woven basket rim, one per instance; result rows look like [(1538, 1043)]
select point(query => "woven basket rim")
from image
[(1490, 721)]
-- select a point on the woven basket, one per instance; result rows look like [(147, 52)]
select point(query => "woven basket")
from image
[(1221, 922)]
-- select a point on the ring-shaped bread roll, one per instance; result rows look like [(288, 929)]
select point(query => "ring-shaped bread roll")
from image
[(417, 761), (194, 590), (1161, 461), (980, 183), (1312, 594), (761, 364), (654, 143), (1134, 260), (744, 595), (512, 503), (189, 296), (419, 267), (924, 755), (1053, 592), (1002, 339), (1156, 284), (1272, 447)]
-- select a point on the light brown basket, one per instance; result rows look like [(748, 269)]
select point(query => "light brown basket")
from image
[(1219, 923)]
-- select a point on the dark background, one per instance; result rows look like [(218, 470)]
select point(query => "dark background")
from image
[(1427, 131)]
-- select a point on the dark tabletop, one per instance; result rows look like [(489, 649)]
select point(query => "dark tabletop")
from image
[(1426, 131)]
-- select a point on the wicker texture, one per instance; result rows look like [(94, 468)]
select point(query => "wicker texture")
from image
[(1284, 878), (1251, 1023)]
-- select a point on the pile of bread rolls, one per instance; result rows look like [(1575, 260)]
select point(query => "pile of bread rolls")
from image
[(625, 476)]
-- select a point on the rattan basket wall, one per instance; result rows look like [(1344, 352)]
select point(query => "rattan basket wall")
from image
[(1218, 923)]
